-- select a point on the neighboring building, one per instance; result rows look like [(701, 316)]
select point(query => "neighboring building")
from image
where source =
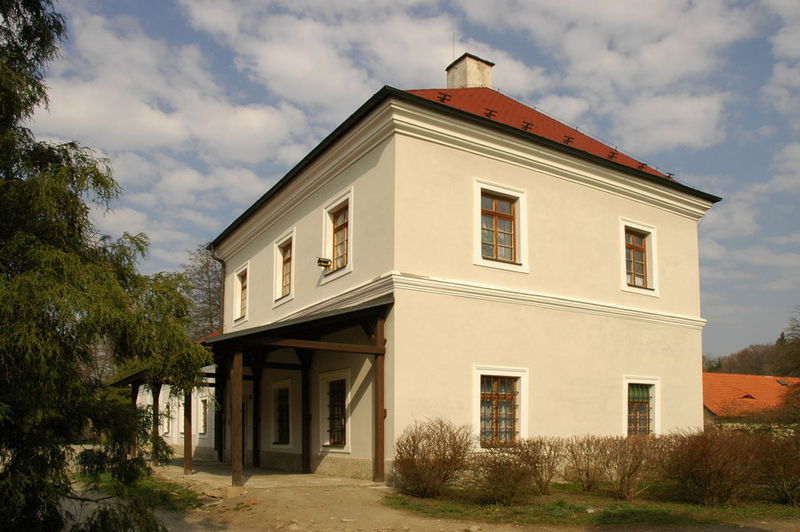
[(452, 252), (730, 397)]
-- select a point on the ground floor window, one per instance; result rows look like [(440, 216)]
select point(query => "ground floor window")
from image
[(499, 410), (281, 418), (337, 413), (640, 409)]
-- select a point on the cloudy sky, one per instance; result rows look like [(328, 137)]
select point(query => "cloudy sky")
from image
[(202, 104)]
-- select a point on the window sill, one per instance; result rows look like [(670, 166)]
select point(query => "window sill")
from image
[(330, 275), (283, 300), (641, 290), (519, 267), (501, 261)]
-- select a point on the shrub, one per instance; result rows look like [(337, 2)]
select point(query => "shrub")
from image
[(587, 460), (500, 476), (427, 456), (780, 466), (631, 460), (543, 456), (712, 467)]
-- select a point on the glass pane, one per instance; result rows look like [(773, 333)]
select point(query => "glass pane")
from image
[(487, 235), (505, 239), (487, 250), (486, 203), (504, 206), (505, 254), (487, 222), (504, 225)]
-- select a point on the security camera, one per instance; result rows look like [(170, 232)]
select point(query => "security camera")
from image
[(322, 262)]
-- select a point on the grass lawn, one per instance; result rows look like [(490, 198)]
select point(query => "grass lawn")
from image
[(153, 492), (567, 505)]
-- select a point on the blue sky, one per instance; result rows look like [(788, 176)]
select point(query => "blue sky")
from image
[(202, 104)]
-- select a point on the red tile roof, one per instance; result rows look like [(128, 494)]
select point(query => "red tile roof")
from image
[(490, 104), (733, 394)]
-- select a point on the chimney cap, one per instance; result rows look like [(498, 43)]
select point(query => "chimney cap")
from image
[(471, 56)]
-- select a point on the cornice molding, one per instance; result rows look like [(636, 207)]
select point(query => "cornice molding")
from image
[(396, 281), (423, 124)]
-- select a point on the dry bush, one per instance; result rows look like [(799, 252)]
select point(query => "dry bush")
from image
[(780, 466), (586, 460), (631, 461), (712, 467), (427, 456), (499, 475), (543, 457)]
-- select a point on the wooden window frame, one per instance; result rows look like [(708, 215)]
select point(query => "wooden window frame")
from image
[(338, 232), (242, 292), (286, 258), (337, 413), (497, 215), (495, 397), (635, 415), (630, 257)]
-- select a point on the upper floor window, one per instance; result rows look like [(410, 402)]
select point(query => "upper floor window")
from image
[(640, 272), (286, 268), (241, 293), (283, 285), (636, 258), (339, 219), (337, 241), (498, 220), (500, 227)]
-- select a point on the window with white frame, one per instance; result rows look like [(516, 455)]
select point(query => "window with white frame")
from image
[(203, 428), (241, 292), (641, 405), (500, 404), (281, 413), (639, 271), (335, 410), (500, 227), (338, 235), (284, 267)]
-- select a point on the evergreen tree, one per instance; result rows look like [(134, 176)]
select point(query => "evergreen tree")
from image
[(64, 291)]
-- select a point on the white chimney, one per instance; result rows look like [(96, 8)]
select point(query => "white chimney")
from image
[(469, 71)]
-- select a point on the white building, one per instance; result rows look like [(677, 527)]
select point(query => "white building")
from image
[(452, 252)]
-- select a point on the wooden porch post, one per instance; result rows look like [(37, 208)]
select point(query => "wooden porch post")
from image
[(134, 399), (236, 420), (379, 407), (306, 357), (156, 389), (257, 371), (187, 433)]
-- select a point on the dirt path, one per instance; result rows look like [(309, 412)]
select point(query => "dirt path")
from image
[(317, 503)]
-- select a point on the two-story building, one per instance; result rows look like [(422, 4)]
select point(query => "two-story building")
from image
[(455, 253)]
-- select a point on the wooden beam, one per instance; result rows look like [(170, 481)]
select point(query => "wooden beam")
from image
[(156, 392), (306, 358), (187, 433), (221, 377), (315, 345), (379, 407), (257, 369), (237, 431)]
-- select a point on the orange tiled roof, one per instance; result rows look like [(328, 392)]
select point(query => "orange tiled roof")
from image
[(490, 104), (734, 394)]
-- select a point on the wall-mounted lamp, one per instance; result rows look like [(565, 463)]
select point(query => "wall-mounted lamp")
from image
[(322, 262)]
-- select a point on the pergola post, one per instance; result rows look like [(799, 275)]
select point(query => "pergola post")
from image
[(379, 407), (134, 400), (236, 419), (156, 389), (220, 381), (187, 433), (306, 357)]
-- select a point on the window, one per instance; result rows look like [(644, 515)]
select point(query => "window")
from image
[(639, 273), (337, 243), (241, 292), (499, 410), (500, 226), (203, 416), (339, 222), (286, 268), (336, 413), (640, 409), (281, 416), (498, 239), (636, 258)]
